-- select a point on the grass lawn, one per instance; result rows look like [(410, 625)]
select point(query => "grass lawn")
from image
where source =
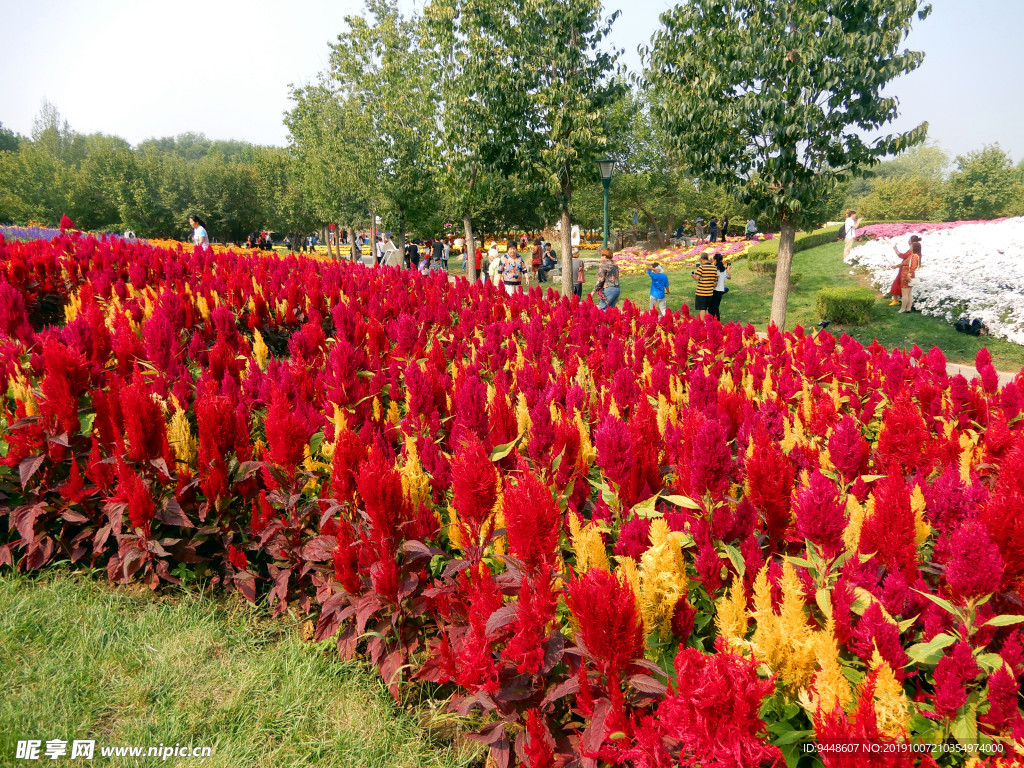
[(82, 660), (750, 297)]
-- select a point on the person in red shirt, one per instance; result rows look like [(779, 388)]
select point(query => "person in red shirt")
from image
[(537, 255), (478, 260)]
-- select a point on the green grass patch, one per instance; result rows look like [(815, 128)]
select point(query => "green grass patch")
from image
[(750, 298), (125, 667)]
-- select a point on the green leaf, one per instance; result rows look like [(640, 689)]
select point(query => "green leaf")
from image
[(682, 501), (85, 421), (499, 452), (965, 727), (734, 557), (990, 661), (943, 604), (932, 651), (1005, 620)]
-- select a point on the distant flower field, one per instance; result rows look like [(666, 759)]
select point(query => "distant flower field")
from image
[(604, 537), (968, 268)]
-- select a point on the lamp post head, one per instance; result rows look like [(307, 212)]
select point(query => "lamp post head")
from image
[(606, 166)]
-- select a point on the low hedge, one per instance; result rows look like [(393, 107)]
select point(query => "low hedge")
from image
[(769, 249), (845, 305)]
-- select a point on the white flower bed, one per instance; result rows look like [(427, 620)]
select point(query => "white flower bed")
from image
[(975, 269)]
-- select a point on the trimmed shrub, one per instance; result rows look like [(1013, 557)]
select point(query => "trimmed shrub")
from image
[(845, 305), (764, 266)]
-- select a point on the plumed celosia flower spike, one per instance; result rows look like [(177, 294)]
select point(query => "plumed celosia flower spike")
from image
[(133, 490), (535, 613), (954, 672), (144, 423), (847, 449), (1003, 693), (714, 711), (875, 633), (67, 377), (663, 581), (287, 436), (13, 317), (889, 528), (769, 483), (540, 746), (711, 460), (903, 442), (820, 515), (474, 489), (532, 520), (983, 364), (892, 709), (349, 452), (975, 567), (608, 621)]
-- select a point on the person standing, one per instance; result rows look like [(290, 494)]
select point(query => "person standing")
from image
[(446, 252), (725, 227), (698, 227), (578, 273), (199, 236), (706, 278), (478, 259), (850, 230), (713, 230), (574, 236), (659, 287), (437, 255), (607, 285), (512, 270), (751, 229), (723, 272), (911, 260), (537, 257), (414, 254)]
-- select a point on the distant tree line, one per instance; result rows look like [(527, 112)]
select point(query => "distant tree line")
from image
[(105, 184)]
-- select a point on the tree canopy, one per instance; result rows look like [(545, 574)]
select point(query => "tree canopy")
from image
[(773, 98)]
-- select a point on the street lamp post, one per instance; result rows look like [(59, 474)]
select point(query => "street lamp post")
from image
[(606, 166)]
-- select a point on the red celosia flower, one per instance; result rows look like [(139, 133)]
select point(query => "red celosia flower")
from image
[(714, 711), (609, 621), (349, 451), (380, 487), (710, 461), (66, 223), (476, 666), (875, 631), (143, 422), (237, 558), (67, 377), (71, 490), (820, 517), (890, 532), (769, 484), (262, 513), (287, 436), (539, 746), (474, 488), (975, 568), (1003, 692), (952, 674), (534, 614), (133, 490), (532, 521), (847, 449), (346, 559), (903, 442), (683, 617)]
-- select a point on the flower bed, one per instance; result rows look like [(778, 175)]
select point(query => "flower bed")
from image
[(607, 537), (636, 261), (967, 268), (902, 229)]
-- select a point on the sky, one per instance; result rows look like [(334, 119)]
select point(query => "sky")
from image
[(140, 69)]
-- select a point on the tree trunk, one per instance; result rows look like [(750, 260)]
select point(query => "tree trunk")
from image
[(400, 242), (337, 240), (659, 235), (780, 296), (327, 239), (470, 251), (567, 276)]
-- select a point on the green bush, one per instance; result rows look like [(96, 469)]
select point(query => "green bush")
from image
[(804, 241), (764, 266), (845, 305)]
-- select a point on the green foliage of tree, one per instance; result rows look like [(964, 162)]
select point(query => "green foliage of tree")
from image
[(9, 140), (982, 186), (902, 198), (771, 98)]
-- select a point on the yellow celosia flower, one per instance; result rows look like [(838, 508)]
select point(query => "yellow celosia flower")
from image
[(455, 535), (917, 505), (663, 407), (394, 415), (731, 615), (377, 409), (799, 661), (522, 414), (588, 453), (415, 481), (587, 545), (179, 436), (856, 515), (260, 351), (203, 307), (891, 705), (73, 307), (767, 643), (627, 573), (663, 579), (830, 685)]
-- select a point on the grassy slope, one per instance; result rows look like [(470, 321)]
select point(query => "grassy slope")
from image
[(82, 660), (750, 295)]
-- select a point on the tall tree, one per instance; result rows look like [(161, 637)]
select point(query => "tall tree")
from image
[(771, 98), (982, 186)]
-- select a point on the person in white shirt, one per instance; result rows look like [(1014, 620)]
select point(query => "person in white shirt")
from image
[(850, 225), (751, 229), (199, 236), (574, 234), (494, 265)]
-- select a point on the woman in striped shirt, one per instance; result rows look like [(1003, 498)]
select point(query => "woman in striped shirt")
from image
[(706, 276)]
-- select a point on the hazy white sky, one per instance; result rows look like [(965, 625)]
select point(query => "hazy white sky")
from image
[(140, 68)]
